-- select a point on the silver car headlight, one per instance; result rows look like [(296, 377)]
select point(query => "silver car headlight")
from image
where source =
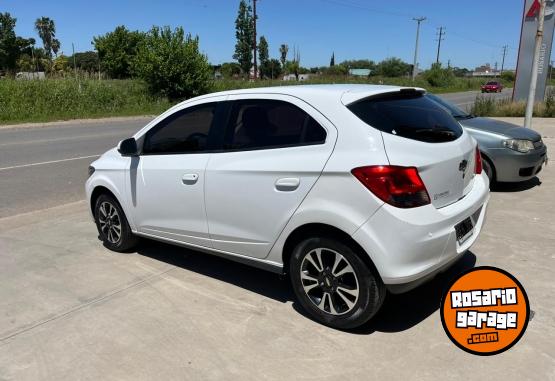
[(519, 145)]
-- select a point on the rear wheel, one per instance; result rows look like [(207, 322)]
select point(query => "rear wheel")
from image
[(112, 225), (333, 284)]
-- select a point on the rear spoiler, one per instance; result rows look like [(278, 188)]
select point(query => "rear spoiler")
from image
[(349, 98)]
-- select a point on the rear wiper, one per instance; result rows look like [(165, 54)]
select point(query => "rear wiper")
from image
[(464, 116)]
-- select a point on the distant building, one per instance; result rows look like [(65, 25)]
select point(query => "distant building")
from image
[(485, 71), (30, 75), (359, 72), (251, 72), (302, 77)]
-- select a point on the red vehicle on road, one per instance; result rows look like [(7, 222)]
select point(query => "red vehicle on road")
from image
[(492, 87)]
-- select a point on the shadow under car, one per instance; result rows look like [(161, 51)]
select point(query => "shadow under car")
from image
[(399, 312)]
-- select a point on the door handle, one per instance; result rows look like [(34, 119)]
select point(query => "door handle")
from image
[(287, 184), (189, 178)]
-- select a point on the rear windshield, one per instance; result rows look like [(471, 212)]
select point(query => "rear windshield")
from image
[(409, 115)]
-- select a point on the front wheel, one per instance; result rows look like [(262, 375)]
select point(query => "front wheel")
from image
[(112, 225), (489, 170), (333, 284)]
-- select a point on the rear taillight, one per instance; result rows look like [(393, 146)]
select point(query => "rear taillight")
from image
[(398, 186), (478, 162)]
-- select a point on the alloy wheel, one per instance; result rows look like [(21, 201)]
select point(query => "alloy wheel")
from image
[(110, 222), (329, 281)]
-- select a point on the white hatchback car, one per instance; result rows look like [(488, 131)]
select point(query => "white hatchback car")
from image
[(352, 190)]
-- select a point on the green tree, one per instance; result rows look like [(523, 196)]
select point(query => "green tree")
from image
[(40, 59), (438, 76), (244, 33), (25, 63), (283, 50), (60, 64), (9, 48), (460, 72), (509, 76), (171, 64), (263, 54), (337, 70), (55, 47), (230, 69), (392, 67), (86, 61), (265, 67), (332, 60), (117, 50), (270, 68), (359, 64), (46, 30)]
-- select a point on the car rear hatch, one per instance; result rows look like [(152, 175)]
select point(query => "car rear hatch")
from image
[(417, 132)]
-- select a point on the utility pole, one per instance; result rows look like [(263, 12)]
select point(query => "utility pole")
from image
[(415, 62), (534, 73), (504, 54), (74, 64), (254, 20), (33, 58), (441, 33)]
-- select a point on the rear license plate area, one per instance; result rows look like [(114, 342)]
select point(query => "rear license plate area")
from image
[(464, 230)]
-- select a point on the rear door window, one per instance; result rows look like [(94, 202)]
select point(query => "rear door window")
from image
[(408, 115), (263, 123)]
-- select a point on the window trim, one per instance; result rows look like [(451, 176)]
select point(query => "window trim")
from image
[(209, 140), (232, 112)]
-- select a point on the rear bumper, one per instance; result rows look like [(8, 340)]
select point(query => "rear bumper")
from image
[(513, 166), (409, 246)]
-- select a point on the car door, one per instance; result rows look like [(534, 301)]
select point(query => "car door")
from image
[(167, 180), (274, 151)]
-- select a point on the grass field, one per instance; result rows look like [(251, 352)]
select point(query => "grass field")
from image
[(487, 106), (64, 99)]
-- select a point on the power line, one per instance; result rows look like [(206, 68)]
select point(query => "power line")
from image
[(440, 34), (350, 4)]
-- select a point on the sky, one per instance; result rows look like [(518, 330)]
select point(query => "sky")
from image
[(476, 30)]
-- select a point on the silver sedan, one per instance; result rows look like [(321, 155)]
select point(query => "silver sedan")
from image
[(510, 153)]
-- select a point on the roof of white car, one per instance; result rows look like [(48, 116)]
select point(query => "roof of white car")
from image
[(346, 93)]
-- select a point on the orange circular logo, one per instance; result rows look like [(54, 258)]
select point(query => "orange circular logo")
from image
[(485, 311)]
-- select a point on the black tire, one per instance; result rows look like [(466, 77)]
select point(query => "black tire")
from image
[(489, 170), (104, 223), (371, 290)]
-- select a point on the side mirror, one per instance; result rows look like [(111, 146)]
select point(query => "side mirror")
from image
[(128, 147)]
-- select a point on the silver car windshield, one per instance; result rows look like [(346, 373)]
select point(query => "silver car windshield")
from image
[(451, 108)]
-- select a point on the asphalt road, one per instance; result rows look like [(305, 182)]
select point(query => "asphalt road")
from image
[(41, 167)]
